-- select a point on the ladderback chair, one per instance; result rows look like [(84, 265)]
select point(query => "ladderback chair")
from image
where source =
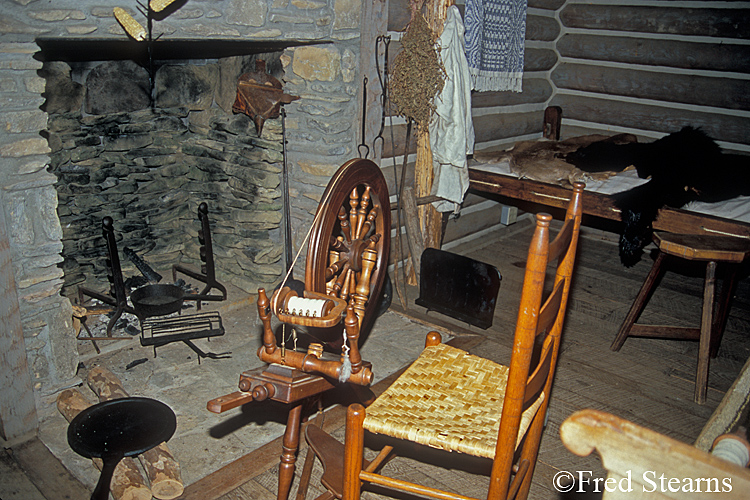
[(456, 401)]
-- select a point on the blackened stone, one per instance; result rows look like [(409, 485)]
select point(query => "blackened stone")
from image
[(145, 115), (170, 124), (138, 128), (128, 142), (62, 93), (219, 136), (174, 169), (109, 170), (203, 152), (117, 86), (104, 120), (158, 161), (125, 187), (150, 151), (189, 86), (83, 153), (90, 140), (254, 177), (238, 125)]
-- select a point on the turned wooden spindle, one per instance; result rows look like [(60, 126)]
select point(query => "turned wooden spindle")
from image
[(370, 220), (362, 212), (344, 223), (289, 446), (351, 326), (337, 244), (336, 266), (340, 285), (346, 289), (308, 363), (362, 291), (353, 204), (264, 312)]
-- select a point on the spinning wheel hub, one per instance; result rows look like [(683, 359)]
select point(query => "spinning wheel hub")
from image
[(355, 254)]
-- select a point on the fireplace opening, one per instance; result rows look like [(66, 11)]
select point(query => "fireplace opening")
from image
[(148, 159)]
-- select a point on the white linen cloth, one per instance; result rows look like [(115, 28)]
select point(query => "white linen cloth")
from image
[(451, 127)]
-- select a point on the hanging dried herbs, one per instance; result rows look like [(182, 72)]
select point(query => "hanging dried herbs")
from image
[(418, 74)]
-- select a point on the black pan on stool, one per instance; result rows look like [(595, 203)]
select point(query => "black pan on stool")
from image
[(119, 428)]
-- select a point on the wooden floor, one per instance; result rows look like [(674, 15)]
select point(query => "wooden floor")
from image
[(649, 381)]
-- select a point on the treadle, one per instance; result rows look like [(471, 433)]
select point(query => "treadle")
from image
[(160, 331)]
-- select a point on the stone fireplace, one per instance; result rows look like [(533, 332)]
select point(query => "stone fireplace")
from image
[(64, 155), (149, 165)]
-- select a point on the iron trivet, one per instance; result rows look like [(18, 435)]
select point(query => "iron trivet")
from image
[(161, 331)]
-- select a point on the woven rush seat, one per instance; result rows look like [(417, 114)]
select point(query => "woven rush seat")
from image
[(465, 391)]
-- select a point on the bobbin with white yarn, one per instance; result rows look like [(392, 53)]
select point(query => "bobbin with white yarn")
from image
[(312, 308)]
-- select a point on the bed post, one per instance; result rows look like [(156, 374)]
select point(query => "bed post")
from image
[(552, 121)]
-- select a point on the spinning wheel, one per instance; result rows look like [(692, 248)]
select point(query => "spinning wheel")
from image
[(347, 256), (347, 260)]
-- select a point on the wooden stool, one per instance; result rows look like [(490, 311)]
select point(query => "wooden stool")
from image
[(712, 250)]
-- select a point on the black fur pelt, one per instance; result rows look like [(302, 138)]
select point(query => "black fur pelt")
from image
[(682, 167)]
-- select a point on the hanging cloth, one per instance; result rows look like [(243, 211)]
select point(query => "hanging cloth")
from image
[(451, 127), (495, 35)]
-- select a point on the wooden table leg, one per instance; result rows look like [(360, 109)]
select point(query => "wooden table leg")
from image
[(289, 448), (639, 303), (704, 350)]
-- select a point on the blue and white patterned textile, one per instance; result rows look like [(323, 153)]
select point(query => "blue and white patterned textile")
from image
[(495, 35)]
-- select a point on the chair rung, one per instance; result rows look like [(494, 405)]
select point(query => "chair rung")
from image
[(417, 489), (666, 332)]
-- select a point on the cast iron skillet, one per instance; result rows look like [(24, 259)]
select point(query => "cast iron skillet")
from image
[(156, 300), (119, 428)]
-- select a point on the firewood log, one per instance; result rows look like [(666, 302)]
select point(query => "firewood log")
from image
[(127, 481), (162, 469)]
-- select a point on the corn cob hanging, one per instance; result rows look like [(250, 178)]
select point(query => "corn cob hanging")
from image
[(130, 25)]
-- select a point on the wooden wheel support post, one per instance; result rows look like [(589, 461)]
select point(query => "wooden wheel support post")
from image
[(430, 219)]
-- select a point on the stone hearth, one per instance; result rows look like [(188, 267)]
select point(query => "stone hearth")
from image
[(91, 154)]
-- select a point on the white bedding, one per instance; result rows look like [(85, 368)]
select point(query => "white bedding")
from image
[(737, 209)]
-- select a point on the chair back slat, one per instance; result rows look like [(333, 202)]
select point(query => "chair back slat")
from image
[(526, 382), (550, 309), (562, 241), (538, 379)]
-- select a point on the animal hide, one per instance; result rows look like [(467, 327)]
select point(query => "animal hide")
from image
[(544, 160), (682, 167)]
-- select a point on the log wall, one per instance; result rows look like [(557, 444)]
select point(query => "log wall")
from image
[(647, 68), (652, 69)]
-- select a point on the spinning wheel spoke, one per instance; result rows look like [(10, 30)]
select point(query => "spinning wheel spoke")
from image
[(362, 213), (344, 223), (334, 269)]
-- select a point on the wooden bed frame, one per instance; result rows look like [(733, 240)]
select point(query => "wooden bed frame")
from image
[(599, 205)]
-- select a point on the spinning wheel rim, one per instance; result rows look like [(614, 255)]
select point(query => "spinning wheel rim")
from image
[(352, 174)]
